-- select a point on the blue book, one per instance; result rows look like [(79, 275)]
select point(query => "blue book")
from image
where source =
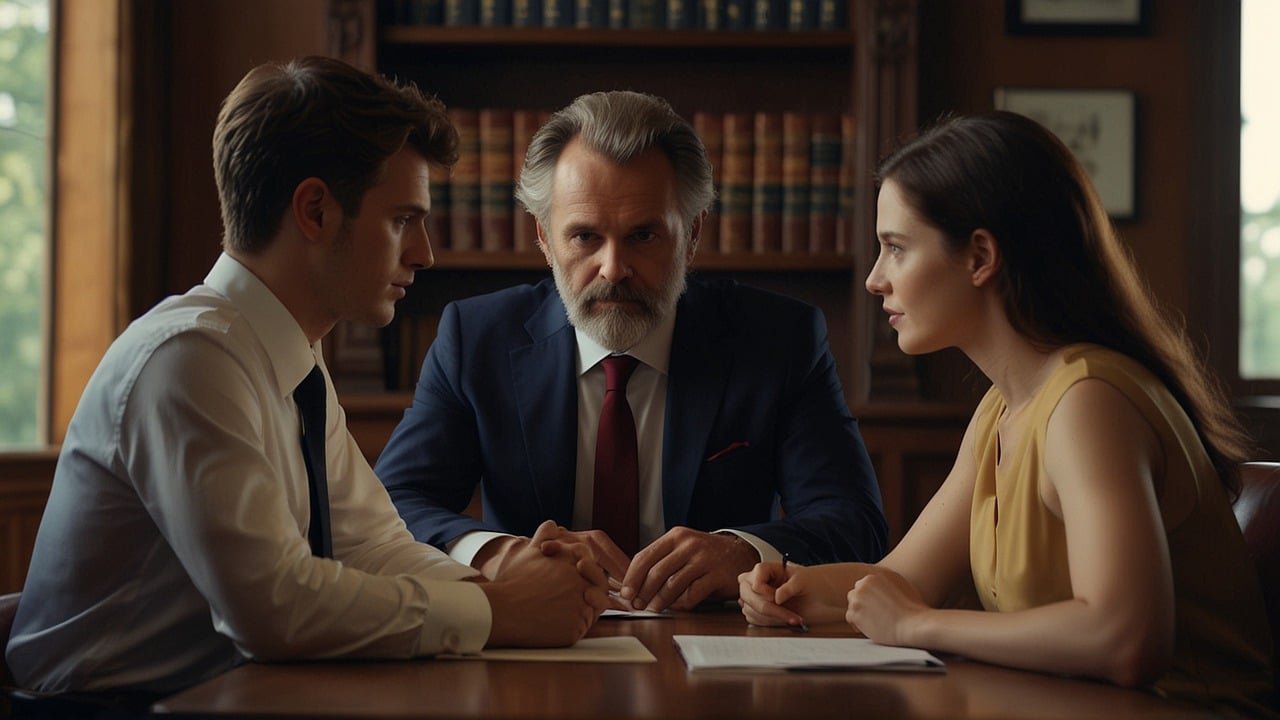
[(592, 14), (461, 12), (737, 15), (833, 14), (557, 13), (526, 13), (710, 14), (495, 13), (770, 15), (618, 17), (682, 14)]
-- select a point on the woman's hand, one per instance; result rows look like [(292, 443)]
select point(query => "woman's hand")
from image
[(773, 595), (886, 608)]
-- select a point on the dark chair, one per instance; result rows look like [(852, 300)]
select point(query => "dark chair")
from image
[(1258, 513), (8, 609)]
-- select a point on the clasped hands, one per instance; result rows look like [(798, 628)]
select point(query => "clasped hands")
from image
[(679, 570), (882, 604)]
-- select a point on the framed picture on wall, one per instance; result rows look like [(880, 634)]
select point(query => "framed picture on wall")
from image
[(1077, 17), (1099, 126)]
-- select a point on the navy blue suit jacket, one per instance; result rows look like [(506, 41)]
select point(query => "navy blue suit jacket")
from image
[(497, 405)]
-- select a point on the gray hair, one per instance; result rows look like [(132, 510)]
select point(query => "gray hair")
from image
[(619, 125)]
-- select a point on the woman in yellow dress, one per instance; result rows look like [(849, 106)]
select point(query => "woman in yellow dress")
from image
[(1089, 504)]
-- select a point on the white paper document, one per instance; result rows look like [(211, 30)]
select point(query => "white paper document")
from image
[(619, 649), (730, 652), (616, 613)]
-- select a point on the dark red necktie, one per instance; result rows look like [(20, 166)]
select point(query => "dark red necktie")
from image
[(616, 499)]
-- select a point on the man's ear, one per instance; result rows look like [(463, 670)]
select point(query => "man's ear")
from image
[(695, 233), (984, 257), (542, 241), (314, 209)]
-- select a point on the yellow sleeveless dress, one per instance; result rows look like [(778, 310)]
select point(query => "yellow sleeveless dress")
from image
[(1018, 548)]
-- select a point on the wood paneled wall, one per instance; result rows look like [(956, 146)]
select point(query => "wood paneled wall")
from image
[(25, 479)]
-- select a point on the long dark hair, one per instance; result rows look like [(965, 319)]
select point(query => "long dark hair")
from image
[(1065, 276)]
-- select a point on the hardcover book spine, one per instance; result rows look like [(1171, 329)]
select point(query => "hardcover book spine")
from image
[(682, 14), (647, 14), (847, 191), (802, 15), (795, 182), (557, 13), (461, 12), (524, 124), (824, 178), (592, 14), (526, 13), (495, 13), (495, 180), (833, 14), (737, 14), (766, 197), (423, 12), (465, 184), (438, 220), (735, 199), (770, 15), (618, 14), (710, 14), (710, 128)]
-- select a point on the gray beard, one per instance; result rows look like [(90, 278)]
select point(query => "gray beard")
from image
[(614, 328)]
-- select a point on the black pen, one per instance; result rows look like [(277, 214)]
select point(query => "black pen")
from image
[(801, 628)]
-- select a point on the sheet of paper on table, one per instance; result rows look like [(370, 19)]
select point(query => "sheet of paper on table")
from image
[(722, 652), (619, 649), (615, 613)]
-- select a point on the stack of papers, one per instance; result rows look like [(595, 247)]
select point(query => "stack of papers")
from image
[(724, 652)]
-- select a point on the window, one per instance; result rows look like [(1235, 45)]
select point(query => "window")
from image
[(1259, 191), (24, 147)]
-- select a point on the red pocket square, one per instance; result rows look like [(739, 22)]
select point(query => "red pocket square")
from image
[(728, 449)]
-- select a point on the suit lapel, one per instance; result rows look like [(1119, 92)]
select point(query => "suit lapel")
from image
[(546, 395), (696, 379)]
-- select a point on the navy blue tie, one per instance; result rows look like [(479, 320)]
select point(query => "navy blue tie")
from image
[(310, 397)]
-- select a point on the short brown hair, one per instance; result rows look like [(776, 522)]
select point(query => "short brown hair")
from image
[(315, 117)]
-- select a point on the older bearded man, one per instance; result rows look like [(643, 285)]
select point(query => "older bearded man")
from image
[(662, 420)]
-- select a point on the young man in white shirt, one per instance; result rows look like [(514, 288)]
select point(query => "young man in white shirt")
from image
[(186, 531)]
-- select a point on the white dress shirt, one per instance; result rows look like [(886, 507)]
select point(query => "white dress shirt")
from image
[(174, 544), (647, 396)]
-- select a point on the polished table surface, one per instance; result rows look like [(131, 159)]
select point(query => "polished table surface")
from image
[(665, 689)]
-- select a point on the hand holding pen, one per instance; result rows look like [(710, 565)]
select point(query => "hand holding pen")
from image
[(801, 627)]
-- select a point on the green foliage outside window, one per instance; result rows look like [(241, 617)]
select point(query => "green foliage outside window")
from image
[(1260, 294), (24, 145)]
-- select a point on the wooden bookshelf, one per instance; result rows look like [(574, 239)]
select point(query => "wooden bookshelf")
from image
[(513, 37), (866, 71)]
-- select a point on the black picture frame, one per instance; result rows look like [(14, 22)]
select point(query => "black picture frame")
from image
[(1041, 18), (1099, 125)]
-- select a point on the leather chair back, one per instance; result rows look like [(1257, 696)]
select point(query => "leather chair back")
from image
[(8, 609), (1258, 513)]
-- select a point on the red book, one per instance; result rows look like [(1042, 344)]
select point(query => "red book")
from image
[(524, 124), (438, 220), (464, 185), (735, 197), (495, 180), (766, 188), (710, 128), (795, 182)]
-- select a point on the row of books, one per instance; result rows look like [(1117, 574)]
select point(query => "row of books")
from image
[(793, 15), (784, 182)]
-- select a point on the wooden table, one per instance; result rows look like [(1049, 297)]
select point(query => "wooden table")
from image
[(477, 689)]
